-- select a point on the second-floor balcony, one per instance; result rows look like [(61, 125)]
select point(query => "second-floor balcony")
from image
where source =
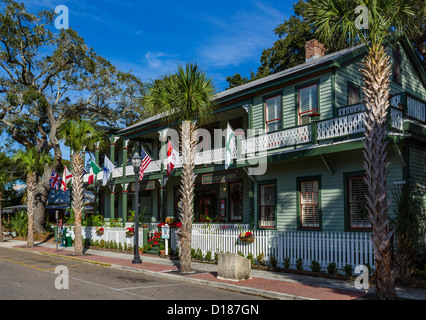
[(349, 124)]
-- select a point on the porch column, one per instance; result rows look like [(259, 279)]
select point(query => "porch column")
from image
[(124, 201), (112, 202), (97, 157), (124, 155), (113, 140), (163, 156), (96, 209)]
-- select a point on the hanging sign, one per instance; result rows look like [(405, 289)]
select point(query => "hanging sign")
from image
[(148, 185), (212, 178)]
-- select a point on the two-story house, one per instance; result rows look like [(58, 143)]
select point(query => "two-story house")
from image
[(300, 167)]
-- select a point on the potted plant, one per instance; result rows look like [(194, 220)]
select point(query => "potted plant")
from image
[(100, 230), (247, 237), (162, 249), (130, 231)]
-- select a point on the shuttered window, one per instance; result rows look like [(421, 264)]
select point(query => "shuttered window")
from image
[(353, 94), (267, 205), (273, 113), (308, 103), (309, 204), (358, 215)]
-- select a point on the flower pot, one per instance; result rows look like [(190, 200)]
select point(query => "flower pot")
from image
[(162, 252), (247, 240), (130, 233), (99, 233)]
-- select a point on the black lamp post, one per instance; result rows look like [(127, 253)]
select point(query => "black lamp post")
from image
[(136, 163)]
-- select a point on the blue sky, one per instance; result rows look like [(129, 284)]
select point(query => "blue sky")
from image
[(153, 37)]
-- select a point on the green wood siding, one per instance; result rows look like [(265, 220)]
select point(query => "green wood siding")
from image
[(289, 93), (332, 186)]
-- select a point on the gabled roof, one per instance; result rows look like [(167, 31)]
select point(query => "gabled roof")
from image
[(327, 59), (333, 60)]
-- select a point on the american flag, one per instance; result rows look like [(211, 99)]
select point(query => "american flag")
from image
[(55, 180), (145, 162)]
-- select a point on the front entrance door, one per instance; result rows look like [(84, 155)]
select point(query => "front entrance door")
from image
[(206, 207)]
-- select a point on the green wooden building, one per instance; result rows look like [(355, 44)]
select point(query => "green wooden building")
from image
[(306, 141)]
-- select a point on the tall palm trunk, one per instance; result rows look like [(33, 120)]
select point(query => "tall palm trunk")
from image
[(31, 186), (187, 191), (78, 199), (1, 219), (377, 71)]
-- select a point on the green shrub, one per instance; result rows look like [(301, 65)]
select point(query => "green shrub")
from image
[(19, 223), (193, 253), (273, 261), (299, 264), (315, 266), (199, 254), (208, 256), (332, 268), (348, 269), (261, 259), (286, 263), (241, 254), (251, 258)]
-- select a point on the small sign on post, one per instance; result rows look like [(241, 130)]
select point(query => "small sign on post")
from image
[(165, 234)]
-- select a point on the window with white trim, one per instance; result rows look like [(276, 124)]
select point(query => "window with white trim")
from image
[(267, 201), (357, 210), (309, 204), (273, 113), (307, 102)]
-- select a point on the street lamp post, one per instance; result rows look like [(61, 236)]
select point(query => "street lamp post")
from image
[(136, 163)]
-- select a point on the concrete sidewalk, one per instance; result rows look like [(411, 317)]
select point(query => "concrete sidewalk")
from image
[(268, 284)]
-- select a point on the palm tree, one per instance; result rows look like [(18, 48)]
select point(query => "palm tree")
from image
[(409, 223), (185, 97), (337, 18), (79, 135), (32, 163), (4, 179)]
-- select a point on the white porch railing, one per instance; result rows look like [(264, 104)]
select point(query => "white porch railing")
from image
[(324, 247), (341, 126), (279, 139), (416, 109)]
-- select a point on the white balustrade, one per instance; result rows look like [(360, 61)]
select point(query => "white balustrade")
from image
[(341, 126), (416, 109), (279, 139)]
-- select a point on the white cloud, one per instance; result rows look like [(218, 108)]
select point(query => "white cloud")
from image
[(241, 38)]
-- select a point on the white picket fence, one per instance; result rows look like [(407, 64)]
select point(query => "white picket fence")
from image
[(343, 248), (325, 247), (110, 234)]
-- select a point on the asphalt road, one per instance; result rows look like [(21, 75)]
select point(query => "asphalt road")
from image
[(31, 276)]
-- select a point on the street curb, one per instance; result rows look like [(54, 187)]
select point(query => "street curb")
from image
[(62, 256), (226, 286)]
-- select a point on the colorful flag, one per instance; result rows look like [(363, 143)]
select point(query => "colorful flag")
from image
[(230, 146), (91, 178), (108, 168), (95, 168), (55, 180), (66, 177), (146, 160), (172, 157)]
